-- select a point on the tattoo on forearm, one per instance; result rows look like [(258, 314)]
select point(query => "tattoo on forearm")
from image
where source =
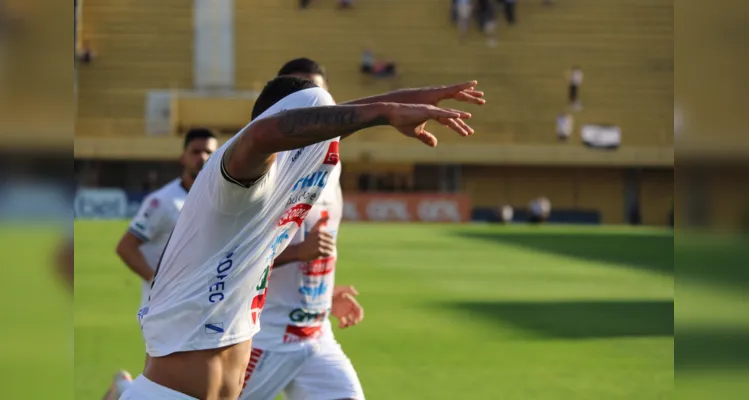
[(327, 122)]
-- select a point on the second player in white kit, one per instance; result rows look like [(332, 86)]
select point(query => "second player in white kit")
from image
[(295, 352)]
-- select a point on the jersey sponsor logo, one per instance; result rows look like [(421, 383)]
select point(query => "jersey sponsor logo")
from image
[(258, 302), (297, 154), (315, 179), (314, 292), (332, 157), (278, 241), (296, 334), (142, 313), (300, 315), (216, 290), (308, 197), (295, 214), (321, 266)]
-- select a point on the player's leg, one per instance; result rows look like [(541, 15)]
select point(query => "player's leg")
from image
[(269, 372), (327, 375), (144, 389)]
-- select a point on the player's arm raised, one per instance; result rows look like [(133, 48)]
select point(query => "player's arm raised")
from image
[(252, 154), (463, 92)]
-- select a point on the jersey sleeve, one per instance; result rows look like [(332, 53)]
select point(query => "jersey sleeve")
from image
[(150, 220)]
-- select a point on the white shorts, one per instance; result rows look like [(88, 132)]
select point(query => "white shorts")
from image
[(144, 389), (317, 372)]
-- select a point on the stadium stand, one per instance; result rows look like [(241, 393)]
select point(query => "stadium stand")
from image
[(621, 46), (624, 47), (141, 47)]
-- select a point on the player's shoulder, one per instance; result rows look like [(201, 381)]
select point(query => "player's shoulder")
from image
[(310, 97), (168, 193)]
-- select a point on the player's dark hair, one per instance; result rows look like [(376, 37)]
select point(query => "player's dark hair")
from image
[(302, 66), (198, 133), (276, 90)]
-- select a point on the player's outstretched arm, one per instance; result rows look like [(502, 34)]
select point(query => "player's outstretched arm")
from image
[(252, 154), (463, 92)]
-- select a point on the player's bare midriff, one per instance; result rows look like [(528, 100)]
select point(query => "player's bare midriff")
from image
[(214, 374)]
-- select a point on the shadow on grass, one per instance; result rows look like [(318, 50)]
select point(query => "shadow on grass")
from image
[(579, 320), (652, 252), (694, 350)]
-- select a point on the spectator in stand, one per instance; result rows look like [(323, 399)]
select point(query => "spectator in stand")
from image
[(86, 53), (344, 4), (540, 210), (509, 11), (463, 10), (370, 65), (565, 126), (304, 3), (487, 18), (575, 78)]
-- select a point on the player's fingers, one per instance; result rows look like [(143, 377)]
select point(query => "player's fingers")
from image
[(342, 290), (465, 126), (454, 125), (468, 98), (322, 221), (449, 113), (426, 138), (326, 237), (462, 86), (352, 290), (326, 251), (437, 113), (474, 93)]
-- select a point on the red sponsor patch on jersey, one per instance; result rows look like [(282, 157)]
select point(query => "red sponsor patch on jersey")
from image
[(295, 214), (300, 333), (258, 302), (321, 266), (332, 157)]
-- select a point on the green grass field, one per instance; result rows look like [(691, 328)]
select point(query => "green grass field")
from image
[(452, 312)]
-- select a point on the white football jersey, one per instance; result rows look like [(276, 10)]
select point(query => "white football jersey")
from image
[(154, 223), (300, 294), (211, 282)]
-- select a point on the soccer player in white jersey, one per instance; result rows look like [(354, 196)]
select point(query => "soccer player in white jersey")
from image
[(142, 244), (247, 203), (295, 352)]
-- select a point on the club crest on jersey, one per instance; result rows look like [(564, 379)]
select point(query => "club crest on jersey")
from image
[(152, 205), (295, 214), (332, 157)]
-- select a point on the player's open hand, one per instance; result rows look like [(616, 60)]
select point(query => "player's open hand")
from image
[(318, 243), (411, 119), (463, 92), (345, 308)]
